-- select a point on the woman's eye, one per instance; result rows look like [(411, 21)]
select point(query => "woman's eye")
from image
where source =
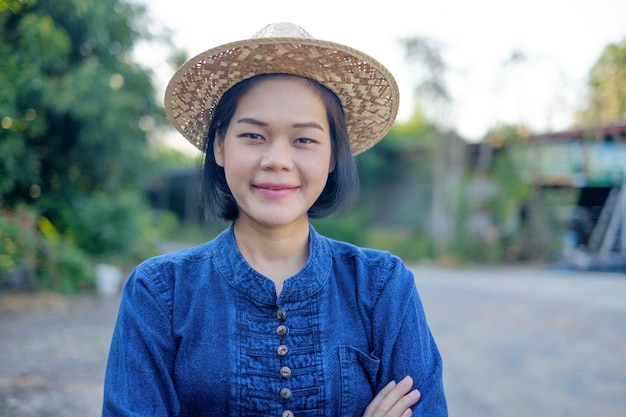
[(254, 136), (304, 140)]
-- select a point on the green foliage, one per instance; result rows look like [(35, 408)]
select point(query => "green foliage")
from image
[(117, 229), (356, 228), (606, 102), (65, 268), (347, 227), (405, 243), (400, 160), (190, 233), (387, 161), (426, 55), (75, 117), (73, 106), (33, 255), (14, 6), (377, 166), (412, 133), (17, 241), (488, 225)]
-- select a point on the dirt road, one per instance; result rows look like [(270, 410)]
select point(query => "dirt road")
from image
[(516, 343), (529, 342)]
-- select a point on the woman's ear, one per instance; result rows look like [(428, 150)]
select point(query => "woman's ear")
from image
[(218, 150)]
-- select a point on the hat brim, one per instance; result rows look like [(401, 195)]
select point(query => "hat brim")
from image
[(367, 90)]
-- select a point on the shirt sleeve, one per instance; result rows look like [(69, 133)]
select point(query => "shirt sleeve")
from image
[(404, 342), (139, 374)]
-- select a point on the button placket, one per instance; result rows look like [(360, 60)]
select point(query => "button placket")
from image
[(285, 371)]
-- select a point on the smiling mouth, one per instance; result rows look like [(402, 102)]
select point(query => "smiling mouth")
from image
[(275, 191), (275, 188)]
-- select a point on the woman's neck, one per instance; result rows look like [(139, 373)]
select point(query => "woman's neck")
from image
[(277, 253)]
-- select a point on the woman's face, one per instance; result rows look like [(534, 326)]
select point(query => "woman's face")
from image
[(276, 153)]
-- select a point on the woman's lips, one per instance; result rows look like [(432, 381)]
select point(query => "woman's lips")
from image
[(275, 191)]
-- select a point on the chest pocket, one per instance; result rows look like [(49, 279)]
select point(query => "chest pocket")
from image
[(358, 380)]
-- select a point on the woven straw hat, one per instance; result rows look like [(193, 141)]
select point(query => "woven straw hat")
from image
[(366, 88)]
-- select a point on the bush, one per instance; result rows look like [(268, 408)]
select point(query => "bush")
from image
[(18, 248), (118, 230), (356, 229), (64, 268), (33, 255), (406, 244), (348, 228)]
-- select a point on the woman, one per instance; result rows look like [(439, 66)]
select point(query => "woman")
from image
[(270, 318)]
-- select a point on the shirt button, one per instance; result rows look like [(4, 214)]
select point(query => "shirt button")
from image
[(281, 330), (282, 350), (285, 393), (287, 413), (281, 314), (285, 372)]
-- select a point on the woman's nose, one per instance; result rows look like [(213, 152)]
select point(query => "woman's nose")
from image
[(278, 155)]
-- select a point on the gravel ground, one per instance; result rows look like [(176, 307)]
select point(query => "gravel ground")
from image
[(529, 342), (53, 353), (516, 343)]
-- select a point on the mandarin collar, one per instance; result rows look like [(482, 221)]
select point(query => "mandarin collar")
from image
[(257, 287)]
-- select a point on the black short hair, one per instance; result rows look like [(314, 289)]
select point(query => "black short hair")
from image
[(341, 187)]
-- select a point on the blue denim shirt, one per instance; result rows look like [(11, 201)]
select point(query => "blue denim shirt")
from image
[(201, 333)]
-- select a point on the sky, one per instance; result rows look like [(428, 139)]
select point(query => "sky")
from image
[(560, 39)]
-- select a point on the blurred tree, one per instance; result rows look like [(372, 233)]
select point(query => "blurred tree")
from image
[(395, 170), (76, 111), (493, 196), (395, 194), (447, 148), (606, 102), (425, 56)]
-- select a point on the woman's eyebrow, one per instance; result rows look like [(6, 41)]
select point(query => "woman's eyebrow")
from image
[(307, 125), (302, 125), (252, 121)]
